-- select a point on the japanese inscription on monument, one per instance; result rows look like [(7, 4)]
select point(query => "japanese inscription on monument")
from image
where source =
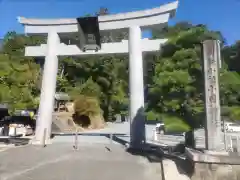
[(211, 63)]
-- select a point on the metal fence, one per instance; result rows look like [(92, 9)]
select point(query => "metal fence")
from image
[(230, 142)]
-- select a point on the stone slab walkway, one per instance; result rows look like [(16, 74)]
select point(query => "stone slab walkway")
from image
[(61, 162)]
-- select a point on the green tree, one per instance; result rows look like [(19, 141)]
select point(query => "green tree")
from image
[(19, 74), (177, 88)]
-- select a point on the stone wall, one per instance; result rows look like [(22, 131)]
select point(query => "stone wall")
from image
[(213, 165), (204, 171)]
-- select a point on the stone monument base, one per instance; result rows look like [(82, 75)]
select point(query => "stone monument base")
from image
[(211, 165)]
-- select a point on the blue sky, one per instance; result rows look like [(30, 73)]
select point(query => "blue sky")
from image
[(222, 15)]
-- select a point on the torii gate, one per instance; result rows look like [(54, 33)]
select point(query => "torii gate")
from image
[(54, 29)]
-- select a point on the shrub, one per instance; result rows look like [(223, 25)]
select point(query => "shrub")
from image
[(175, 124), (178, 127), (152, 115), (225, 111), (171, 119), (88, 112), (235, 113), (86, 106)]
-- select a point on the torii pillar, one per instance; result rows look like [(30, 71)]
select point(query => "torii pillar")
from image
[(48, 89), (136, 85)]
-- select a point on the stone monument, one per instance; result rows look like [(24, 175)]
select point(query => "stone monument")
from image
[(211, 65), (214, 162)]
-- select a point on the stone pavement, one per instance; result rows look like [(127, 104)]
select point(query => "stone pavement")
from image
[(60, 162)]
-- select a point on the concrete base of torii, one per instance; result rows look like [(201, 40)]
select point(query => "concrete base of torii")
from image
[(136, 85)]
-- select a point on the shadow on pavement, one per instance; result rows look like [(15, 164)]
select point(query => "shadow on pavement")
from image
[(156, 154), (14, 140), (151, 155), (184, 167), (152, 152)]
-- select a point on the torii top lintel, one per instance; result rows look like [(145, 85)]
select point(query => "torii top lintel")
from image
[(145, 18)]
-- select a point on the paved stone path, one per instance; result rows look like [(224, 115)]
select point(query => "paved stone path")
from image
[(97, 158), (61, 162)]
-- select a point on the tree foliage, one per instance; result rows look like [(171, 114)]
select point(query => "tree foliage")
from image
[(174, 79), (178, 81)]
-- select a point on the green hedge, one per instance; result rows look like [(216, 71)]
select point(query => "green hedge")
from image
[(175, 124), (178, 127), (234, 113), (152, 115), (172, 123)]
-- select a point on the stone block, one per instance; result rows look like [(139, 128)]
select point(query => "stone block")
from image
[(215, 172), (214, 165)]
